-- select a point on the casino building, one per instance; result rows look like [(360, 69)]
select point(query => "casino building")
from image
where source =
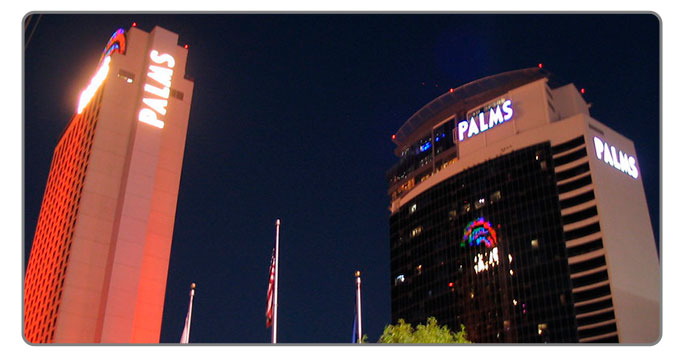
[(98, 264), (518, 215)]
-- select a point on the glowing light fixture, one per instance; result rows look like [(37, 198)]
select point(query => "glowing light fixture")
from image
[(116, 43), (94, 84)]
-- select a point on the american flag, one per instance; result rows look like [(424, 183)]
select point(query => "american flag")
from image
[(271, 286)]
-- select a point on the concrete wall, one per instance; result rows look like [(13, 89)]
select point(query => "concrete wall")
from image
[(628, 239)]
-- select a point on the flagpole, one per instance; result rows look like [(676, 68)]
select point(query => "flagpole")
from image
[(358, 282), (185, 336), (277, 269)]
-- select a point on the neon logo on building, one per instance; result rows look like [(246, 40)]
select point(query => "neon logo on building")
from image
[(115, 44), (479, 232), (616, 158), (498, 114), (156, 89)]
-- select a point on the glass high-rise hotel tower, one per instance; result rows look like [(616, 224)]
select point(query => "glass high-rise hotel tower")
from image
[(98, 263), (516, 214)]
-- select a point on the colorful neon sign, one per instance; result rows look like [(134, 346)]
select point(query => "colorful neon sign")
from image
[(115, 44), (159, 73), (616, 158), (479, 232), (498, 114)]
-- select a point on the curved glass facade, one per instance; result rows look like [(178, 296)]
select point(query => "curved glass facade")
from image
[(516, 290)]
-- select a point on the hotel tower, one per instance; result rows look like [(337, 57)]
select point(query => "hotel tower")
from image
[(521, 217), (97, 269)]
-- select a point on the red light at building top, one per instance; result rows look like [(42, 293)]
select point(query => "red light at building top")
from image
[(582, 90), (133, 24), (451, 284), (451, 90), (393, 136), (540, 65), (185, 46)]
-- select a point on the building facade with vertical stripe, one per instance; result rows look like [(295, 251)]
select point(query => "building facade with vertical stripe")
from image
[(98, 263), (521, 217)]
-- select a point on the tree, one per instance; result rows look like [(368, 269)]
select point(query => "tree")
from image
[(430, 333)]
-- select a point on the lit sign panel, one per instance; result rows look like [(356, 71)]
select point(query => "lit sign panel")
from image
[(479, 232), (616, 158), (478, 123), (484, 261), (156, 89), (115, 44)]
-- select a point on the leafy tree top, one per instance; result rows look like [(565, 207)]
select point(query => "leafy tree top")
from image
[(429, 333)]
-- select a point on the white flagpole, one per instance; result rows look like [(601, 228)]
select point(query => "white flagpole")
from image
[(358, 281), (185, 336), (277, 269)]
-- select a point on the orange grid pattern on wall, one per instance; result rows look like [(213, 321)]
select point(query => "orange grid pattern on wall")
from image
[(48, 262)]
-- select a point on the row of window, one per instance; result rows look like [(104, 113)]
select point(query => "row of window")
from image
[(597, 312), (45, 274)]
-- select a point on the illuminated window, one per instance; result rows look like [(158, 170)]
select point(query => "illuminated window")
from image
[(416, 231), (452, 215), (484, 261), (495, 197), (542, 328), (419, 269), (176, 94), (466, 207), (479, 203), (534, 243), (412, 209), (399, 280), (126, 76)]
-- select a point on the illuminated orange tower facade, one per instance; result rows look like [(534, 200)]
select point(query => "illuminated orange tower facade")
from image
[(97, 270)]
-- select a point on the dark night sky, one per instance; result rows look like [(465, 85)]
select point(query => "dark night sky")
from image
[(291, 118)]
